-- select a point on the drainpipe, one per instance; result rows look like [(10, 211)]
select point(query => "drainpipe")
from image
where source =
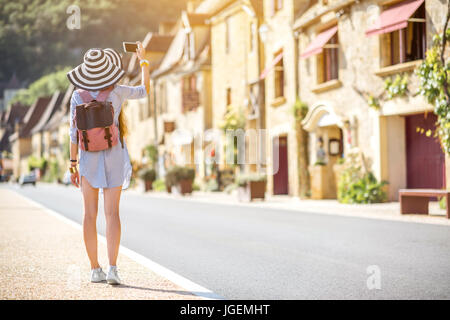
[(155, 119), (296, 63)]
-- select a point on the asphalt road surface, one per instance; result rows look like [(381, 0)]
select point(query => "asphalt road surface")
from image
[(255, 253)]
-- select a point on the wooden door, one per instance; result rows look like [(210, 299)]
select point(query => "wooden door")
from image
[(281, 177), (425, 159)]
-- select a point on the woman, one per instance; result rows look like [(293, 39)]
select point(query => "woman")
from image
[(110, 169)]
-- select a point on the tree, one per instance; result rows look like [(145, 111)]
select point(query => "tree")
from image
[(300, 109), (45, 86), (34, 38), (434, 75)]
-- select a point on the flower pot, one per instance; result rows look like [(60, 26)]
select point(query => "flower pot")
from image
[(253, 190), (169, 126), (148, 185), (184, 186)]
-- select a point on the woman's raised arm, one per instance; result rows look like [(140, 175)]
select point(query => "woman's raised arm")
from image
[(144, 66)]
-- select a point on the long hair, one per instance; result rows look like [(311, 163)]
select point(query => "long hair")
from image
[(123, 122), (122, 119)]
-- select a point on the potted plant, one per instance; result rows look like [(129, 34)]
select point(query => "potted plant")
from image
[(169, 180), (148, 175), (181, 179), (251, 187)]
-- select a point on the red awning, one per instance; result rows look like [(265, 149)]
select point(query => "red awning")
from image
[(316, 46), (271, 66), (395, 18)]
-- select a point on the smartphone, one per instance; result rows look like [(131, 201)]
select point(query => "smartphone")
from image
[(130, 47)]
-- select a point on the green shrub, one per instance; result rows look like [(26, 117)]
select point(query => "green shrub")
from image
[(151, 151), (244, 179), (53, 172), (178, 173), (159, 185), (147, 174), (36, 163), (358, 185), (442, 203), (211, 186), (365, 189), (196, 187)]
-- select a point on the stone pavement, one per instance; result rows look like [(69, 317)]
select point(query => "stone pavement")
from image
[(42, 257), (387, 211)]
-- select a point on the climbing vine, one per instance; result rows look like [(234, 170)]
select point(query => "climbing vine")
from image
[(396, 87), (434, 75)]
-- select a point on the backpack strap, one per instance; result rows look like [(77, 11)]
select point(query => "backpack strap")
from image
[(85, 95), (103, 95)]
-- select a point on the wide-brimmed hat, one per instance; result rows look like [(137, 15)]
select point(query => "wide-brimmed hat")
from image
[(101, 68)]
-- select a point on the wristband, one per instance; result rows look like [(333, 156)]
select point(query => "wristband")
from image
[(73, 160), (144, 62)]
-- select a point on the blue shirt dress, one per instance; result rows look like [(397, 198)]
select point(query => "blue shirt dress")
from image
[(108, 168)]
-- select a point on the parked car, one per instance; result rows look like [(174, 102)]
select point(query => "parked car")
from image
[(29, 178)]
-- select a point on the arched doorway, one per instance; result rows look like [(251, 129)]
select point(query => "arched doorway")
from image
[(326, 145)]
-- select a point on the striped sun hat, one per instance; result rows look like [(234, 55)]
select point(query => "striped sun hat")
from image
[(101, 68)]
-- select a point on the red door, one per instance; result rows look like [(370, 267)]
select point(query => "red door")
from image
[(424, 157), (280, 178)]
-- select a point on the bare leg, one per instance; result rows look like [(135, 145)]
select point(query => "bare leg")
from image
[(112, 199), (90, 200)]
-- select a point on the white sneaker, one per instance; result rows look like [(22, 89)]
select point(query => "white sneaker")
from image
[(113, 276), (97, 275)]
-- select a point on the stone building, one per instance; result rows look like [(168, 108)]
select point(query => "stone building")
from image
[(139, 113), (281, 92), (237, 60), (183, 94), (21, 139), (348, 50), (39, 139)]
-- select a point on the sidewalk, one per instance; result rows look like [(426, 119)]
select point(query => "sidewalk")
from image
[(384, 211), (42, 257)]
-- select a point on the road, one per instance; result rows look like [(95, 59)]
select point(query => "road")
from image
[(256, 253)]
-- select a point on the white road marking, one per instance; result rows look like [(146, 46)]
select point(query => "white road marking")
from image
[(179, 280)]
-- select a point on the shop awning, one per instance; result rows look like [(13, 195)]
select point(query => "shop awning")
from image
[(395, 18), (316, 46), (271, 66)]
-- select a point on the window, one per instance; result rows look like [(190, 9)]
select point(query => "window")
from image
[(227, 35), (407, 44), (228, 96), (328, 61), (190, 95), (279, 77)]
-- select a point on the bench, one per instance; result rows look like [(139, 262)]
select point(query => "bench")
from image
[(416, 200)]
